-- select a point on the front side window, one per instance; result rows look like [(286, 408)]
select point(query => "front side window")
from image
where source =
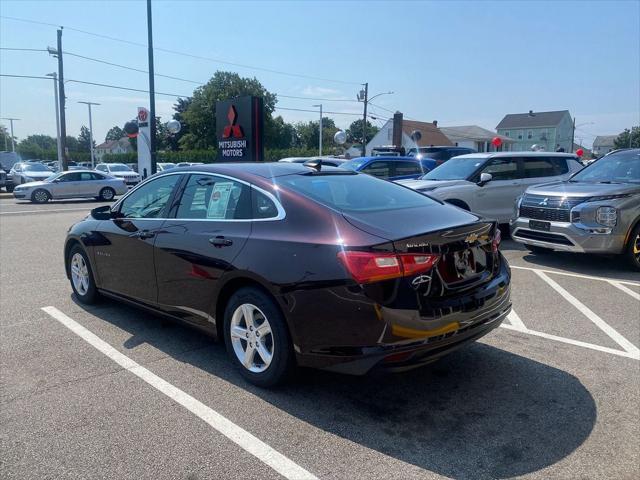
[(150, 200), (455, 169), (70, 177), (502, 168), (209, 197)]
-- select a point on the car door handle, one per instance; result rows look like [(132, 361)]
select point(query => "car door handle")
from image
[(220, 241), (143, 234)]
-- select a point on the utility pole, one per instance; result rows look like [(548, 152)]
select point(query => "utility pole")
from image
[(320, 130), (55, 96), (11, 120), (573, 134), (63, 122), (364, 119), (93, 160), (152, 95)]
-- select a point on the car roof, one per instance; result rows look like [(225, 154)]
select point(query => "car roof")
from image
[(389, 157), (245, 170), (517, 154)]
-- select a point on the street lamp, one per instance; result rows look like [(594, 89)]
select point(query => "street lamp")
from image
[(320, 129), (93, 161), (54, 75), (363, 96)]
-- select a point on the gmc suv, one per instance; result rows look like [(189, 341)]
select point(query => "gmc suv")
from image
[(597, 210)]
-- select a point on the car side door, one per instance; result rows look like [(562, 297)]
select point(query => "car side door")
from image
[(66, 185), (496, 198), (124, 247), (210, 224)]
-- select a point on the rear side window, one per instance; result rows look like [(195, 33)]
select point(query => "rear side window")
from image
[(263, 206), (209, 197), (407, 168), (378, 169), (535, 167), (561, 165), (355, 193)]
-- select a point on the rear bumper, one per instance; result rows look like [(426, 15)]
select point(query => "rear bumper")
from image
[(568, 237), (376, 337)]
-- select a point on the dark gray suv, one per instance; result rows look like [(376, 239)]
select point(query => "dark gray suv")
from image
[(596, 211)]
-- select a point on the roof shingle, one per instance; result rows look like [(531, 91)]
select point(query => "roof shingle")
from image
[(532, 119)]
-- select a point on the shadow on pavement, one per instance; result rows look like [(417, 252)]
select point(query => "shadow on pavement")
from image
[(479, 413)]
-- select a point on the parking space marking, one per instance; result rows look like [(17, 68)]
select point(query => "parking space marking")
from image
[(587, 312), (626, 290), (46, 210), (515, 320), (577, 275), (256, 447), (577, 343)]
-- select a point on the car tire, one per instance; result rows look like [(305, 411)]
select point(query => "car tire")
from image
[(81, 276), (40, 196), (107, 194), (633, 249), (253, 341), (9, 188), (536, 249)]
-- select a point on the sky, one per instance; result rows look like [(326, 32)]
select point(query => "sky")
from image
[(461, 63)]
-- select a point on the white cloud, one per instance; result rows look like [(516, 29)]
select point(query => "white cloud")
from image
[(317, 91)]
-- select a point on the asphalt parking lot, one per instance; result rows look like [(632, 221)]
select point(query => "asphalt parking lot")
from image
[(111, 392)]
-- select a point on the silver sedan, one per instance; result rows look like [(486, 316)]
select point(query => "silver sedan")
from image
[(72, 184)]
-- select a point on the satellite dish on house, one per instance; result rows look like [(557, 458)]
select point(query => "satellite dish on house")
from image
[(340, 137), (416, 135)]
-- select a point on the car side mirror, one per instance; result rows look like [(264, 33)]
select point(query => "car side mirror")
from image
[(484, 179), (104, 213)]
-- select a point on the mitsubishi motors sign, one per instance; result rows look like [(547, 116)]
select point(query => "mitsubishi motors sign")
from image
[(239, 129)]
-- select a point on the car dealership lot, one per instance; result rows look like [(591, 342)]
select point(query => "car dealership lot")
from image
[(553, 394)]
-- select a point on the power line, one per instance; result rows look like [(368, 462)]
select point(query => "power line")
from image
[(190, 55), (315, 111)]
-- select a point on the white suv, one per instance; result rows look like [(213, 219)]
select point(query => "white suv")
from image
[(489, 183), (120, 170)]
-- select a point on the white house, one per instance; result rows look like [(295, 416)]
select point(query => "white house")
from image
[(431, 135), (478, 138), (603, 144), (113, 146)]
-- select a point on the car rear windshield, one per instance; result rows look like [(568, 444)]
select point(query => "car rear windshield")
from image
[(355, 193), (36, 167), (455, 169), (621, 167)]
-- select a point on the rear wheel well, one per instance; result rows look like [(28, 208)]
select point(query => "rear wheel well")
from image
[(458, 203), (225, 294)]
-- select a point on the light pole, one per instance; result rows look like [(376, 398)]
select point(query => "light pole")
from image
[(54, 75), (93, 161), (152, 93), (320, 129), (13, 144), (363, 96)]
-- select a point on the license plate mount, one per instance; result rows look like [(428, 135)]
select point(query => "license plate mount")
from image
[(538, 225)]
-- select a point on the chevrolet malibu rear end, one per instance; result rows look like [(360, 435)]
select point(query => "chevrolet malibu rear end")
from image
[(327, 269)]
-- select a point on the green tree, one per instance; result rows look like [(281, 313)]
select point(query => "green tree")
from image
[(280, 134), (45, 142), (5, 138), (115, 133), (628, 139), (354, 132), (72, 144), (200, 114), (84, 140), (307, 132)]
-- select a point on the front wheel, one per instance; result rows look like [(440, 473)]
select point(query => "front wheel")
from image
[(257, 338), (633, 249), (107, 194), (40, 196), (82, 281)]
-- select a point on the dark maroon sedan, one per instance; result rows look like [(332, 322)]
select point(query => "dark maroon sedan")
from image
[(297, 266)]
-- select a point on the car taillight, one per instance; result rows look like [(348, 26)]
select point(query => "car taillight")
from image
[(368, 267), (497, 238)]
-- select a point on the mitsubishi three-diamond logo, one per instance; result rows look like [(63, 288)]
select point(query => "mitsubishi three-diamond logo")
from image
[(232, 130)]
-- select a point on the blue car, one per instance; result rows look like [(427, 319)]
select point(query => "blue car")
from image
[(391, 168)]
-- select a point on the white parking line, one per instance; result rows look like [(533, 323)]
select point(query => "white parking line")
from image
[(577, 275), (626, 290), (226, 427), (605, 327), (47, 210)]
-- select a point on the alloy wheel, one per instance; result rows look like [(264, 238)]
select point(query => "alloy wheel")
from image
[(41, 196), (107, 194), (636, 248), (252, 338), (79, 274)]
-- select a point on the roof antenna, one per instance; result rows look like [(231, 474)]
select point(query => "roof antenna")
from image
[(316, 164)]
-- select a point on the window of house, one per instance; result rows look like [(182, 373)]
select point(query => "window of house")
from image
[(507, 133), (530, 134)]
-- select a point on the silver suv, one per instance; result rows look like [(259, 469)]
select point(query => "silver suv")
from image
[(596, 211)]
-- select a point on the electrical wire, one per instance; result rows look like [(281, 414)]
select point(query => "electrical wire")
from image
[(317, 111), (190, 55)]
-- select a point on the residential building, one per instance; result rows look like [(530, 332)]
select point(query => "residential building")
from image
[(547, 130), (429, 131), (603, 144), (478, 138), (113, 146)]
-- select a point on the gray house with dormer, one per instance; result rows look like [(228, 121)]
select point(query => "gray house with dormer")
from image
[(547, 130)]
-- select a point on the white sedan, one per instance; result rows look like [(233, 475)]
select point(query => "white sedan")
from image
[(72, 184), (489, 183)]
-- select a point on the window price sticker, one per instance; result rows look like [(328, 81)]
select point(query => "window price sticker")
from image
[(219, 201)]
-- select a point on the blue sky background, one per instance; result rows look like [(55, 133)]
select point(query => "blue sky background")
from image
[(456, 62)]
